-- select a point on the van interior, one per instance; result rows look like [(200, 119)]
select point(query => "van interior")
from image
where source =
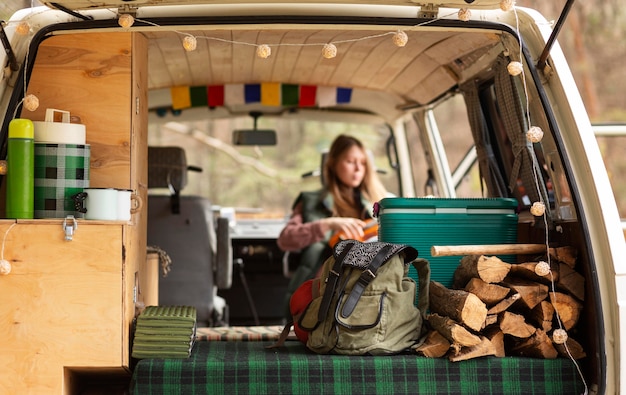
[(219, 117)]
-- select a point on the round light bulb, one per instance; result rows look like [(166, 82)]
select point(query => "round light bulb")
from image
[(5, 267), (538, 209), (542, 268), (559, 336), (190, 43), (465, 14), (3, 167), (126, 21), (534, 134), (23, 28), (400, 38), (507, 5), (515, 68), (329, 51), (263, 51), (31, 102)]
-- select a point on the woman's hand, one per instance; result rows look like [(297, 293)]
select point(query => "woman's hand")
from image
[(352, 228)]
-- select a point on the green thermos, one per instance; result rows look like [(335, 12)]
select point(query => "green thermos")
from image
[(20, 178)]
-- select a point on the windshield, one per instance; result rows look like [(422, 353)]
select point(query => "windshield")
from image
[(263, 181)]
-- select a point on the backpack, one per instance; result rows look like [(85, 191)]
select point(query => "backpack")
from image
[(366, 302)]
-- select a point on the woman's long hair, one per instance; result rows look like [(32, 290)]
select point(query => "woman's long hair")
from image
[(346, 201)]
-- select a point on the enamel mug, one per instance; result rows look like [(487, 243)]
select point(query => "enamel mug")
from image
[(97, 203)]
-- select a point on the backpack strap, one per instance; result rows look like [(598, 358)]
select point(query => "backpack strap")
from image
[(368, 274), (331, 283)]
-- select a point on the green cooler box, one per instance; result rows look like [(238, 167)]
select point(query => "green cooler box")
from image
[(425, 222)]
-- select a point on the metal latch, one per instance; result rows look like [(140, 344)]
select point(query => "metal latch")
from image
[(428, 11), (69, 227)]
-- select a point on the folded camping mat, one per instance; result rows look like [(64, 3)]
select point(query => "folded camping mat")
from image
[(236, 367)]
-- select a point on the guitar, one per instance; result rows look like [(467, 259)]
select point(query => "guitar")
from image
[(370, 233)]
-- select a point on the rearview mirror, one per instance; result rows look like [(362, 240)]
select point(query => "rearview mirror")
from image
[(254, 137)]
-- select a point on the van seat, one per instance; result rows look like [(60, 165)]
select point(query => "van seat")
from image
[(197, 242)]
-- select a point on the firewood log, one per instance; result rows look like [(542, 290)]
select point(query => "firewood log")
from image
[(567, 255), (490, 269), (496, 336), (542, 316), (567, 308), (571, 281), (434, 345), (452, 331), (531, 293), (482, 349), (527, 270), (575, 349), (504, 304), (461, 306), (515, 325), (489, 294), (538, 345)]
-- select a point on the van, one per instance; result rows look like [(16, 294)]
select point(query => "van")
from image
[(214, 115)]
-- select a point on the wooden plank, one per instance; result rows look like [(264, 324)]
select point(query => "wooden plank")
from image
[(89, 76)]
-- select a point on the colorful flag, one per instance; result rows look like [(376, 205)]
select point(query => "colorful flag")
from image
[(233, 94), (270, 94), (252, 93), (198, 96), (326, 96), (307, 95), (180, 97), (289, 95), (344, 95), (215, 95)]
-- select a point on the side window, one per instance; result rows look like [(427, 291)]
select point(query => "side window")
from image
[(456, 135), (612, 142)]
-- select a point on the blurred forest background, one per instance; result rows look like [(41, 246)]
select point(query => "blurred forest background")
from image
[(592, 39)]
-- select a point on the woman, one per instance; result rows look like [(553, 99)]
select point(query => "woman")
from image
[(343, 205)]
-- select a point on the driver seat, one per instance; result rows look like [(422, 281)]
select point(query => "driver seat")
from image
[(197, 242)]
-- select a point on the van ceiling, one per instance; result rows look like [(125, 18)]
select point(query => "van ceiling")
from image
[(382, 75)]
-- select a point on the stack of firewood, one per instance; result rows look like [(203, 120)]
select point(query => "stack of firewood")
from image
[(498, 308)]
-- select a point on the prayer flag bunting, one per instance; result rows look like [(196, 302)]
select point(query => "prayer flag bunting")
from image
[(215, 95), (266, 93)]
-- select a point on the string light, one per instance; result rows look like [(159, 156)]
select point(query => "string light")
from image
[(515, 68), (263, 51), (534, 134), (538, 209), (31, 102), (507, 5), (542, 268), (5, 266), (329, 51), (465, 14), (3, 167), (559, 336), (190, 43), (400, 38), (23, 28), (126, 21)]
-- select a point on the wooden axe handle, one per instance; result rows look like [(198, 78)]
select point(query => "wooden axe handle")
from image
[(487, 249)]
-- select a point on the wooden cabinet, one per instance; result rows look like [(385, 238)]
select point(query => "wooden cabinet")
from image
[(67, 306)]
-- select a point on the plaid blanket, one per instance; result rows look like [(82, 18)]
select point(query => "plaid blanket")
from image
[(249, 368)]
